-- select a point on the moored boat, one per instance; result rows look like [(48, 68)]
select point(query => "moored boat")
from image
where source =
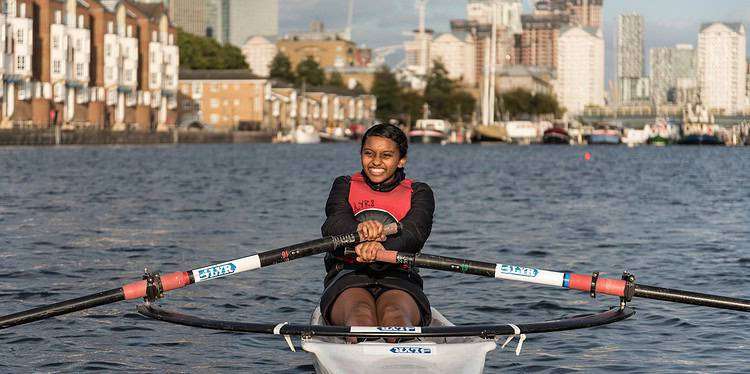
[(490, 133), (305, 134), (605, 134), (335, 135), (430, 131), (556, 135), (699, 127)]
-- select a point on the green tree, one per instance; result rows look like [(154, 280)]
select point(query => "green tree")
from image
[(359, 89), (336, 80), (546, 104), (445, 98), (522, 103), (281, 68), (197, 52), (385, 87), (410, 108), (310, 72)]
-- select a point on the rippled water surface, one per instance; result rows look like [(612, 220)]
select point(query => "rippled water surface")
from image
[(74, 221)]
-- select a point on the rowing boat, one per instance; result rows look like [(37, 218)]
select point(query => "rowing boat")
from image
[(441, 347), (423, 355)]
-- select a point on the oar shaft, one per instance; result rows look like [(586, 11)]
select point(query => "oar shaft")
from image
[(64, 307), (581, 282), (173, 281), (694, 298)]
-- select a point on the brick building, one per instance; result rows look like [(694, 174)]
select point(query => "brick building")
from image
[(228, 100), (221, 100), (537, 44), (88, 64)]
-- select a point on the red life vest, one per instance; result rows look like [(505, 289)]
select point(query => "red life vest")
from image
[(396, 202)]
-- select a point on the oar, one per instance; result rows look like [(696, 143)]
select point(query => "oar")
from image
[(625, 288), (153, 285)]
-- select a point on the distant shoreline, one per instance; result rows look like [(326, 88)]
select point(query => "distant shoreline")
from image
[(55, 136)]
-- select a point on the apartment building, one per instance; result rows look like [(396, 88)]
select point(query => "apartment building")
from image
[(88, 64), (227, 100), (580, 72), (722, 66)]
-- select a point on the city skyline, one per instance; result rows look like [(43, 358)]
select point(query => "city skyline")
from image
[(375, 27)]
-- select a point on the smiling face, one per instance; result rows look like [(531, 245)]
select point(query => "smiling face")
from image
[(381, 159)]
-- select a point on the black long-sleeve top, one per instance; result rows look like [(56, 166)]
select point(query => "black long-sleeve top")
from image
[(415, 226)]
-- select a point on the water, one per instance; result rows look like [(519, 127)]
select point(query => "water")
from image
[(74, 221)]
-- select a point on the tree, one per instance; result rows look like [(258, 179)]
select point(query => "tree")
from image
[(336, 80), (310, 72), (281, 68), (522, 103), (445, 98), (197, 52), (359, 89), (385, 87)]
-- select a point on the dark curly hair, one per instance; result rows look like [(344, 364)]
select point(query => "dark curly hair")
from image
[(388, 131)]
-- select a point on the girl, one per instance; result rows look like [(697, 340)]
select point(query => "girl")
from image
[(358, 291)]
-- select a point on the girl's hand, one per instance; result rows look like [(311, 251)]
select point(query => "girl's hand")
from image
[(371, 231), (368, 251)]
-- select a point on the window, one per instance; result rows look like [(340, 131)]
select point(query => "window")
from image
[(79, 44), (19, 36), (108, 71), (79, 70), (57, 66), (55, 42), (21, 63), (214, 103)]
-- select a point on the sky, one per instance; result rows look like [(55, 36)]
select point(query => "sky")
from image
[(378, 23)]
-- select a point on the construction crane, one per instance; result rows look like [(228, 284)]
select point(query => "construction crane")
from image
[(380, 53)]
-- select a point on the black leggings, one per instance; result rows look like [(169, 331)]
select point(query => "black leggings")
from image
[(376, 286)]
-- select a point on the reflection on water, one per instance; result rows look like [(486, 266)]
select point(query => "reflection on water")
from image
[(82, 219)]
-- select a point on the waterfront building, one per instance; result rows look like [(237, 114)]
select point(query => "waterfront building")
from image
[(632, 86), (673, 72), (88, 64), (221, 100), (580, 71), (259, 52), (228, 100), (722, 70), (16, 37)]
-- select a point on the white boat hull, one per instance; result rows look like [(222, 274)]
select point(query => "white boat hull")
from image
[(305, 134), (426, 355)]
